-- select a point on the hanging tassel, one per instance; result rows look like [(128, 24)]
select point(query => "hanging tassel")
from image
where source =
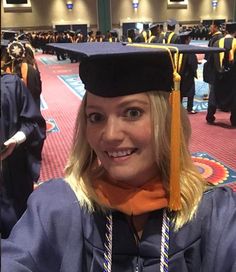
[(174, 199)]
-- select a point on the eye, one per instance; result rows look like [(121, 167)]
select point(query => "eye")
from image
[(133, 113), (95, 117)]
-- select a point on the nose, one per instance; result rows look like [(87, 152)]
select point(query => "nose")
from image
[(112, 131)]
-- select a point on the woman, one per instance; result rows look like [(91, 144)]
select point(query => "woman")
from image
[(23, 131), (113, 210)]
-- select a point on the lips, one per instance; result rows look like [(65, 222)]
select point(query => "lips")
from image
[(120, 153)]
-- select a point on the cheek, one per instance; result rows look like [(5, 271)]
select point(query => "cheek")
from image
[(143, 134), (92, 137)]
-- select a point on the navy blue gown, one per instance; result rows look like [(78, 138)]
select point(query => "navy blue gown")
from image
[(56, 234), (22, 168)]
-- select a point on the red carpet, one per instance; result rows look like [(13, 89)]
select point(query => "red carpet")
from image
[(219, 142), (62, 107)]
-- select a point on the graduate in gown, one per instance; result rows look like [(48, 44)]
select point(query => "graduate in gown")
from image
[(19, 58), (132, 199), (188, 71), (23, 131), (225, 83)]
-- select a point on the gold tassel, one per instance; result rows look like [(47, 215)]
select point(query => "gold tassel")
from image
[(174, 198)]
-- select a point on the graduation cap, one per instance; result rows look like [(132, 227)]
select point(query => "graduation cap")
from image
[(230, 27), (171, 22), (16, 50), (216, 23), (116, 69), (184, 35), (113, 33)]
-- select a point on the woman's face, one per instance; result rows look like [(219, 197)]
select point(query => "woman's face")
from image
[(119, 130)]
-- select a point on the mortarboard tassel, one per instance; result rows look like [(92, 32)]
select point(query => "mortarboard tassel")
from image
[(174, 198)]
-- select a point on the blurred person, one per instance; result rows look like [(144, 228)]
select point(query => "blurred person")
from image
[(23, 131), (188, 72)]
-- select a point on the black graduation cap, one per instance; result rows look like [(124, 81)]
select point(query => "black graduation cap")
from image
[(185, 33), (116, 69), (230, 27), (216, 23), (113, 33)]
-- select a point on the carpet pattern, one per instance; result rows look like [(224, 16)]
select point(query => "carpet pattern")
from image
[(214, 171), (74, 83), (51, 125), (52, 60)]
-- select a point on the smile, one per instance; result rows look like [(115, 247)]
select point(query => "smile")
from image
[(123, 153)]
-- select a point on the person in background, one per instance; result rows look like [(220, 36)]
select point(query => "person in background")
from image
[(144, 36), (113, 36), (155, 33), (90, 36), (170, 36), (19, 59), (23, 131), (188, 65), (225, 82), (209, 69), (99, 36), (132, 199), (131, 34)]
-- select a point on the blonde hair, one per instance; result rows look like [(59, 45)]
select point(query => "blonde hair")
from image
[(83, 165)]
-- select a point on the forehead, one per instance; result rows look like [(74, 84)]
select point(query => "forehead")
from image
[(98, 101)]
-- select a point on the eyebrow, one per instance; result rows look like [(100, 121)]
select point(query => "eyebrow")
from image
[(121, 105)]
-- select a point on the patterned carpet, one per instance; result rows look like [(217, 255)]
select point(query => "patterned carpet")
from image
[(214, 171)]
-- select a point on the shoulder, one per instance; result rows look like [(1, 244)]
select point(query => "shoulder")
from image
[(223, 193), (54, 203), (7, 78), (54, 198), (218, 229), (54, 190), (218, 203)]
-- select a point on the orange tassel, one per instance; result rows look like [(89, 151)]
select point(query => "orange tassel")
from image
[(175, 199)]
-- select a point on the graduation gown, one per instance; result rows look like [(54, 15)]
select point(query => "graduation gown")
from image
[(22, 168), (56, 234), (188, 72), (225, 83)]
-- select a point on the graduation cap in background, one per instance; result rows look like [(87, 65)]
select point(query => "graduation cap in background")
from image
[(114, 33), (216, 23), (230, 27), (16, 50), (184, 35), (116, 69), (171, 22)]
